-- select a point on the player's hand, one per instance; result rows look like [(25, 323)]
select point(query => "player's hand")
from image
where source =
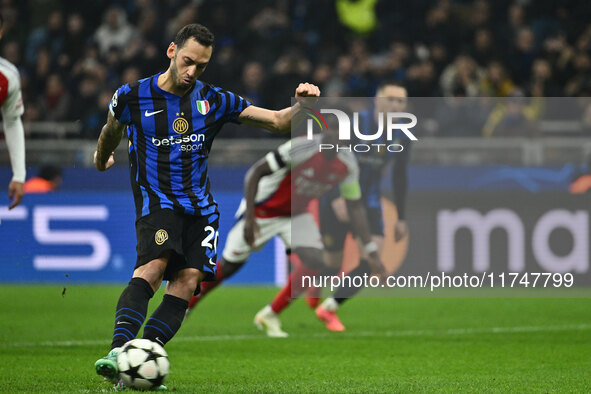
[(376, 265), (104, 166), (400, 230), (16, 191), (308, 93), (339, 206), (251, 231)]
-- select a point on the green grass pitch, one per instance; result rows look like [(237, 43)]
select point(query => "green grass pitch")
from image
[(49, 343)]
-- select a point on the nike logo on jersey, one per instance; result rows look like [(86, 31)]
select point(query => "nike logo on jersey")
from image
[(123, 322), (157, 339), (148, 114)]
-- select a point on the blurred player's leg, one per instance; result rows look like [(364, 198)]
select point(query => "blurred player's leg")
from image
[(327, 310), (267, 318), (225, 270), (313, 296)]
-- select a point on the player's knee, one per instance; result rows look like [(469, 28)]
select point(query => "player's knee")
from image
[(229, 269), (333, 259), (152, 272), (311, 257), (188, 279)]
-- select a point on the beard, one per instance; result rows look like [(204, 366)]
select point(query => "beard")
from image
[(174, 72), (176, 78)]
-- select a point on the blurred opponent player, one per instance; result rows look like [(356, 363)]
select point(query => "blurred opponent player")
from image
[(11, 102), (277, 190), (334, 221), (171, 120)]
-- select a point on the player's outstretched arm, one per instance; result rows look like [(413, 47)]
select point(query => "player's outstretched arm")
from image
[(108, 140), (251, 184), (279, 121)]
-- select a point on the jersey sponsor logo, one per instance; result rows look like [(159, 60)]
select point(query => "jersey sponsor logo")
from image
[(160, 237), (180, 125), (148, 114), (203, 106), (174, 140)]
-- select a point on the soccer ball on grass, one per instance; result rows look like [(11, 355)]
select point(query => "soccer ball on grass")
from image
[(142, 364)]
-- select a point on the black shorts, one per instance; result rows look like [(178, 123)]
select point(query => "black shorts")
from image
[(334, 232), (192, 240)]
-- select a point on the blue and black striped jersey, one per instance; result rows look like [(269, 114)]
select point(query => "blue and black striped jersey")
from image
[(170, 138), (371, 164)]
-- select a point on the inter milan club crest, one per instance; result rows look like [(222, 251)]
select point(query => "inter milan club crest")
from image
[(160, 237), (180, 125), (203, 106)]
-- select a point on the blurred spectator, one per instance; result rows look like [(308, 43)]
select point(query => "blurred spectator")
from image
[(253, 83), (115, 32), (75, 40), (289, 70), (48, 179), (541, 83), (12, 53), (130, 75), (462, 73), (54, 104), (582, 75), (520, 58), (422, 81), (434, 47), (483, 49), (460, 116), (495, 81), (513, 117), (50, 36)]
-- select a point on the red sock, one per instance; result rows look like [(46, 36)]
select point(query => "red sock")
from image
[(293, 287), (208, 286)]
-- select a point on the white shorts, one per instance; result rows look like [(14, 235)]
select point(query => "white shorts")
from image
[(299, 231)]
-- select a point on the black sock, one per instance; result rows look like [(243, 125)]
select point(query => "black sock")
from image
[(166, 319), (131, 311), (343, 293)]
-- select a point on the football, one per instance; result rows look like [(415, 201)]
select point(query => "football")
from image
[(143, 364)]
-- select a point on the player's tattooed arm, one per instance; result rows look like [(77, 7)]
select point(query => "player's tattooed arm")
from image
[(280, 121), (108, 140)]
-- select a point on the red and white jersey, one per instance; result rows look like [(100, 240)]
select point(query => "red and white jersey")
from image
[(11, 100), (300, 174)]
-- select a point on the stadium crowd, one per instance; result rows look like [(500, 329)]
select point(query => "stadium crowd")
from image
[(72, 55)]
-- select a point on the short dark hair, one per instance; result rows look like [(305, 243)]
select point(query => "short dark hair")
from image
[(199, 32), (390, 82)]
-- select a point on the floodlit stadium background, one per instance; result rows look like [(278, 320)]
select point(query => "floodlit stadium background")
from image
[(72, 57), (65, 256)]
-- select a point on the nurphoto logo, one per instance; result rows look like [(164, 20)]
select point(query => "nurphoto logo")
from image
[(393, 124)]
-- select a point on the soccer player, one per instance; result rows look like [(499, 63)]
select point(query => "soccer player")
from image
[(171, 120), (272, 207), (334, 221), (11, 102)]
